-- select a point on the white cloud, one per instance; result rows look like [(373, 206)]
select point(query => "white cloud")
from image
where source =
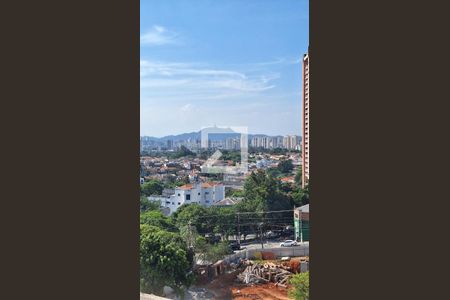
[(173, 69), (200, 80), (184, 96), (159, 36), (186, 108)]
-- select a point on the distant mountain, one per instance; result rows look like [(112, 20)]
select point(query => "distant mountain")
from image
[(223, 135), (181, 137)]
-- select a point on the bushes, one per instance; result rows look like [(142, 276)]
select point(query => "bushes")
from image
[(300, 284)]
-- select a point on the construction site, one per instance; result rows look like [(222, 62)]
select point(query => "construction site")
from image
[(262, 275)]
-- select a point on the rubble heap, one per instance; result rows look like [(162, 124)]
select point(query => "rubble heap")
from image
[(264, 273)]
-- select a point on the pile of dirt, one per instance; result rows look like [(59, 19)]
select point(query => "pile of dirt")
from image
[(221, 286), (266, 291)]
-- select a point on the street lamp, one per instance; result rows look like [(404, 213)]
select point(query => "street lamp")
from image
[(260, 230), (301, 227)]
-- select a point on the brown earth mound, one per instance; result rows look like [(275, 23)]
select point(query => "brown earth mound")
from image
[(259, 292)]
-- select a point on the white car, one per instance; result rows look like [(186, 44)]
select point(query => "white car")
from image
[(288, 243)]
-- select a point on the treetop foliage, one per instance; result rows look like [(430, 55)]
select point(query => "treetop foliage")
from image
[(300, 284)]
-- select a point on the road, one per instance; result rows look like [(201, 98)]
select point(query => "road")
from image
[(272, 244)]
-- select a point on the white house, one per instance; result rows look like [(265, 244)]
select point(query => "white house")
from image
[(204, 194)]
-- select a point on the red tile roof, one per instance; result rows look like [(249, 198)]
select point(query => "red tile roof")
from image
[(186, 187), (287, 179)]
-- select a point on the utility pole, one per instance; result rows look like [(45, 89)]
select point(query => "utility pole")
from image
[(239, 229), (301, 228), (261, 234), (189, 234)]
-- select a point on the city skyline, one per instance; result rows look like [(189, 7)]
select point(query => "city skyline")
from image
[(192, 132), (229, 142), (234, 63)]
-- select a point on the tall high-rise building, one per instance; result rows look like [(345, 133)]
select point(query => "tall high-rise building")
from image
[(286, 142), (306, 121), (170, 144), (232, 143)]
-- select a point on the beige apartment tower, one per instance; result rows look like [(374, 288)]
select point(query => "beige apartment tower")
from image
[(306, 121)]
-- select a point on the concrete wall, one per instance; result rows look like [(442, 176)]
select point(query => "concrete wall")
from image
[(281, 252), (278, 252)]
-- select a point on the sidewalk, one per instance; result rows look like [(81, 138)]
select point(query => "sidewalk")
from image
[(151, 297)]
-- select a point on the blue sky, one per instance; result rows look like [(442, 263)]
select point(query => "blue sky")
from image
[(229, 63)]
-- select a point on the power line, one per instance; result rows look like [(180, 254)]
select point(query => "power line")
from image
[(254, 220), (253, 223), (254, 212), (259, 220)]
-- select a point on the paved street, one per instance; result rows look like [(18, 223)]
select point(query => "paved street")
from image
[(272, 244)]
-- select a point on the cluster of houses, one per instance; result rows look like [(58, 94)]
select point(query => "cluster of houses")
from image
[(199, 190), (161, 167), (266, 161)]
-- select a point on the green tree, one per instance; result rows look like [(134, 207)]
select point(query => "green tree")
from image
[(152, 187), (164, 260), (285, 166), (300, 284), (252, 209), (286, 187), (263, 193), (223, 220), (182, 152), (145, 204), (156, 218), (193, 214), (230, 192), (274, 172), (189, 234), (298, 176), (172, 182), (217, 252), (237, 193), (300, 196), (233, 155), (211, 253)]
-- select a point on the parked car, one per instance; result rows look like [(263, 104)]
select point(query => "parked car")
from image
[(288, 243), (234, 245), (272, 234), (212, 239)]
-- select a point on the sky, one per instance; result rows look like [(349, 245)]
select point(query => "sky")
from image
[(224, 63)]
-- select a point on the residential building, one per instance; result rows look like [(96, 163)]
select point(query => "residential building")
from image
[(278, 142), (232, 144), (204, 194), (301, 223), (306, 122), (266, 142), (170, 144), (291, 142)]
